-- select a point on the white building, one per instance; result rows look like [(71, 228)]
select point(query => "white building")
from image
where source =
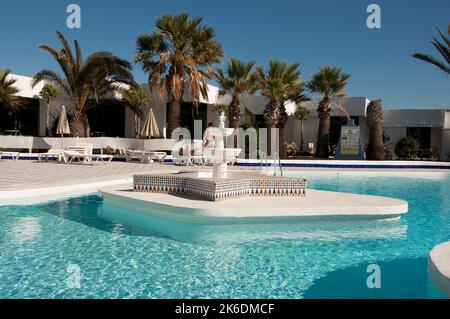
[(432, 124)]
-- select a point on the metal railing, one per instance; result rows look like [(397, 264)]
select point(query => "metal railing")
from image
[(280, 167), (276, 164), (263, 158)]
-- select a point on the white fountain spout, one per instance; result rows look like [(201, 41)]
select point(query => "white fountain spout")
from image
[(220, 165)]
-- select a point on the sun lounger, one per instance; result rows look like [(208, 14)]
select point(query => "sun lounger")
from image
[(81, 152), (131, 155), (13, 155), (158, 156), (231, 155), (103, 158), (53, 153), (208, 156), (144, 156)]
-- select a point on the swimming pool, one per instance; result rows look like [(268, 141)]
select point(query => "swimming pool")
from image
[(123, 256)]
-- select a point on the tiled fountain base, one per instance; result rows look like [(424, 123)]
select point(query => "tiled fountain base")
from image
[(219, 189)]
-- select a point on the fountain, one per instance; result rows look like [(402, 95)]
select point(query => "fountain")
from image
[(219, 196), (220, 169)]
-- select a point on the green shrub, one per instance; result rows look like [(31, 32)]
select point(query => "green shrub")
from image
[(407, 148), (291, 149)]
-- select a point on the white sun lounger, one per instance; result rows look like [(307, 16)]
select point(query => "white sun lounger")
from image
[(144, 156), (206, 157), (13, 155), (231, 155), (81, 152), (54, 153)]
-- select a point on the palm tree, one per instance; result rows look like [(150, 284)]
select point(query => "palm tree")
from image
[(443, 49), (8, 95), (179, 53), (85, 81), (302, 114), (298, 96), (280, 81), (48, 93), (237, 80), (330, 82), (375, 149), (135, 97)]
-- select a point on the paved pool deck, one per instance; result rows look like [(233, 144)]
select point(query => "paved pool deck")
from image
[(29, 182), (17, 175)]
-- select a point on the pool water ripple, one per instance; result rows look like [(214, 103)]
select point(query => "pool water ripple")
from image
[(130, 259)]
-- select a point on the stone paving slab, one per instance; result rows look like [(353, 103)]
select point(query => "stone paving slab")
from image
[(27, 174)]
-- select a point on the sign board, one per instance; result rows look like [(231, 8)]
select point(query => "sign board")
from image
[(350, 146), (350, 140)]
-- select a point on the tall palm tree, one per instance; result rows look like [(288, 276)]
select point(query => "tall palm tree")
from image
[(179, 53), (375, 149), (48, 93), (237, 80), (330, 82), (85, 81), (443, 48), (8, 93), (280, 81), (297, 95), (302, 113), (135, 97)]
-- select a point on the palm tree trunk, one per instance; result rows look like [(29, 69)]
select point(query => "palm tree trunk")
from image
[(79, 124), (282, 122), (234, 116), (175, 99), (323, 135), (47, 119), (174, 116), (136, 126), (271, 116), (375, 149), (16, 123)]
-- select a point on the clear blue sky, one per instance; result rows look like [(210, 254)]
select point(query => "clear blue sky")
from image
[(310, 32)]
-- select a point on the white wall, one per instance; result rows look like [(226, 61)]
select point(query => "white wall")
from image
[(414, 118)]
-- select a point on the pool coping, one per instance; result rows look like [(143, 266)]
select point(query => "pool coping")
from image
[(357, 164), (36, 195)]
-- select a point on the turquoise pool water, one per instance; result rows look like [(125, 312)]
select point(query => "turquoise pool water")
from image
[(127, 257)]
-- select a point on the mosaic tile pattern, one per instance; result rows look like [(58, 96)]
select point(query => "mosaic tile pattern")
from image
[(220, 189)]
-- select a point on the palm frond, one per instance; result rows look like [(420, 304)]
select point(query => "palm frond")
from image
[(8, 92), (329, 81), (180, 52), (432, 60), (86, 82), (444, 50)]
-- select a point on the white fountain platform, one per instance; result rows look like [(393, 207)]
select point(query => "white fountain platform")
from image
[(316, 205), (439, 267)]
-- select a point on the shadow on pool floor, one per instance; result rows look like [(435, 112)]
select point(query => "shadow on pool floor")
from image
[(400, 279)]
